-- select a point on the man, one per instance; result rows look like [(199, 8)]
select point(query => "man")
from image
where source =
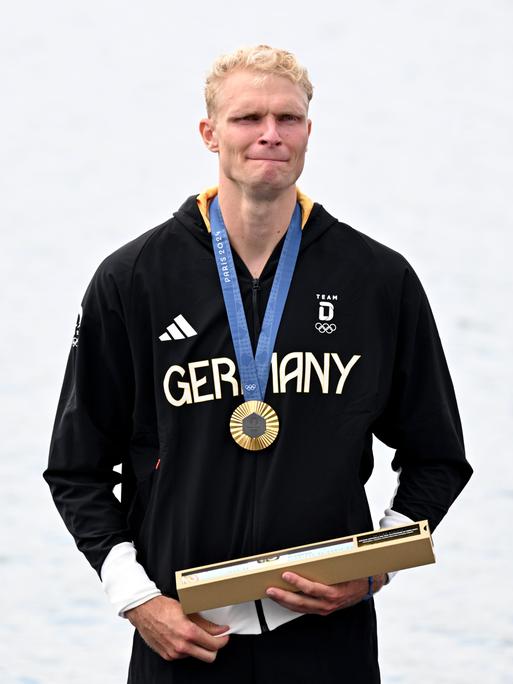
[(162, 372)]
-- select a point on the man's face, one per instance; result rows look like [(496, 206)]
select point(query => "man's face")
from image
[(260, 132)]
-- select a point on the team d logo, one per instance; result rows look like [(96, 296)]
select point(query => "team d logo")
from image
[(326, 313)]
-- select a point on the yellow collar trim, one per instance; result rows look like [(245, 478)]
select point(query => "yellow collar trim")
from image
[(204, 198)]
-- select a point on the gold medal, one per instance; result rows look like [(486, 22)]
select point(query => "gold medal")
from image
[(254, 425)]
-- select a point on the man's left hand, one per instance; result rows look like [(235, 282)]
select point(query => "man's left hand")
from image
[(322, 599)]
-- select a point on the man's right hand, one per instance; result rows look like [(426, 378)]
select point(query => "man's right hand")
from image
[(166, 629)]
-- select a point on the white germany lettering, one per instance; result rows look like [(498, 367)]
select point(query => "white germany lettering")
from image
[(206, 380)]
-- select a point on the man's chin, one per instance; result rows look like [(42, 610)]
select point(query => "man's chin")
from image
[(266, 186), (269, 189), (273, 181)]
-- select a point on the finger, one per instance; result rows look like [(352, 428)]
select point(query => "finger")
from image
[(316, 589), (194, 651), (211, 627), (197, 636), (187, 639), (227, 632), (300, 603)]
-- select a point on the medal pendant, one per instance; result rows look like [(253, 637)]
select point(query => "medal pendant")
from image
[(254, 425)]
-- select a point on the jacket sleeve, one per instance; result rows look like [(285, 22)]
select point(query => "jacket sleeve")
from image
[(421, 419), (93, 424)]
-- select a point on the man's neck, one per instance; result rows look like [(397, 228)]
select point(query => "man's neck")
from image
[(255, 224)]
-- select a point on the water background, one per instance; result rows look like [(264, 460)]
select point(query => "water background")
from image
[(412, 143)]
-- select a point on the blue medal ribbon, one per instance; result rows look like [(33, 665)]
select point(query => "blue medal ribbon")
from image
[(254, 370)]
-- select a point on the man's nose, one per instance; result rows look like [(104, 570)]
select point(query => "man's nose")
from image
[(270, 134)]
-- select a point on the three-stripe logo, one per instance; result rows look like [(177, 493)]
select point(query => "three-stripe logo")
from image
[(179, 329)]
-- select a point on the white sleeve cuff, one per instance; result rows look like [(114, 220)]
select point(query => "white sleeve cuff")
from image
[(125, 580), (393, 519)]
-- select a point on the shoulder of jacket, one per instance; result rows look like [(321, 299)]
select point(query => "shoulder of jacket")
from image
[(120, 264), (380, 256), (385, 266), (111, 284), (378, 250)]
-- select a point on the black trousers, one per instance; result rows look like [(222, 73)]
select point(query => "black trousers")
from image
[(312, 649)]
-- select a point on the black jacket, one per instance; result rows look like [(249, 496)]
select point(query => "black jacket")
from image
[(357, 354)]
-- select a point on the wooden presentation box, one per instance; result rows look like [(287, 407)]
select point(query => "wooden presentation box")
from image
[(329, 562)]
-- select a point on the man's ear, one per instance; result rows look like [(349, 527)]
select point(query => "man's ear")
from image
[(208, 133), (309, 130)]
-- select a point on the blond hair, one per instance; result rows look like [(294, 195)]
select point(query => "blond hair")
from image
[(260, 59)]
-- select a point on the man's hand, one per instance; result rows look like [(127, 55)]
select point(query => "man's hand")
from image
[(163, 625), (322, 599)]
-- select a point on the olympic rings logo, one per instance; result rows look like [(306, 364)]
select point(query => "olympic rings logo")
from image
[(325, 327), (250, 388)]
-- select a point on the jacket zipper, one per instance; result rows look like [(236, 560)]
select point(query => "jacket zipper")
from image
[(261, 617), (256, 317), (255, 287)]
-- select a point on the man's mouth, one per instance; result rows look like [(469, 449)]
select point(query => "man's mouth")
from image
[(273, 159)]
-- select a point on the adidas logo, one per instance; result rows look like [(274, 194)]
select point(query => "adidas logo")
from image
[(178, 333)]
